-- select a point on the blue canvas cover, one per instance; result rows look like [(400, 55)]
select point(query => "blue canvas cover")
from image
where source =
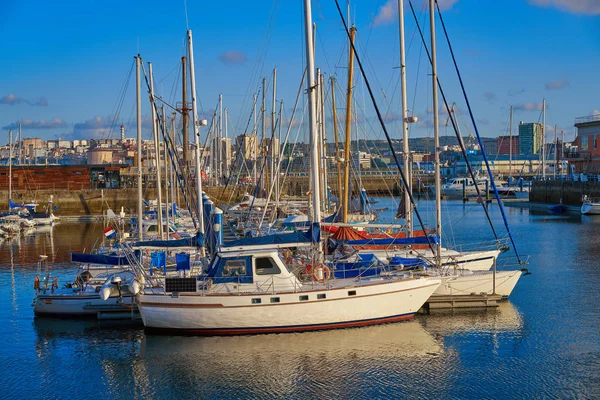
[(101, 259), (280, 238), (231, 269), (408, 262), (183, 261), (158, 259)]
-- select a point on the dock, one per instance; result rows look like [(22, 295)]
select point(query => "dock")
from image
[(461, 301)]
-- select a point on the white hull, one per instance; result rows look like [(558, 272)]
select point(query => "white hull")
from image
[(590, 208), (471, 260), (73, 304), (378, 301), (479, 282)]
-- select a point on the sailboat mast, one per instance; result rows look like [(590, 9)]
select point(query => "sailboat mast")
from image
[(436, 134), (510, 143), (272, 141), (405, 147), (156, 153), (544, 139), (264, 127), (555, 149), (138, 91), (348, 127), (311, 87), (338, 164), (10, 144), (184, 115), (195, 124), (325, 192), (164, 130)]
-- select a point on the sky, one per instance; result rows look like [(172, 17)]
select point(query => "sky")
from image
[(67, 68)]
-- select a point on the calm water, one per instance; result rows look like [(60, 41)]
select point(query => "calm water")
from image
[(544, 343)]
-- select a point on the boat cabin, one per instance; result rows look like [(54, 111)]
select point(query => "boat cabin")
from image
[(240, 271)]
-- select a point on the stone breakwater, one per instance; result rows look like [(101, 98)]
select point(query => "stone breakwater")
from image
[(97, 201)]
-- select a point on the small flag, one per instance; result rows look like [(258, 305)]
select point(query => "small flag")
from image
[(109, 232)]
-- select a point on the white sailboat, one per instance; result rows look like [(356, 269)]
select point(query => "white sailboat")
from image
[(250, 289)]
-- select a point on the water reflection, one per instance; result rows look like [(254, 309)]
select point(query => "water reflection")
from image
[(322, 363)]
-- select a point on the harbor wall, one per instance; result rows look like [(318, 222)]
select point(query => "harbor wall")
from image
[(570, 192), (97, 201)]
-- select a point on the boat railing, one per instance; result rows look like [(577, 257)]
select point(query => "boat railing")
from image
[(501, 243)]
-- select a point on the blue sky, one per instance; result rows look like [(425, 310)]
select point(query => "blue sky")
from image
[(65, 64)]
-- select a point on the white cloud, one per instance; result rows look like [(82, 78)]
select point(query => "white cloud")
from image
[(529, 107), (54, 123), (233, 57), (559, 84), (11, 100), (387, 13), (585, 7)]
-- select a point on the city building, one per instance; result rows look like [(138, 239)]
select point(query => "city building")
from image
[(530, 138)]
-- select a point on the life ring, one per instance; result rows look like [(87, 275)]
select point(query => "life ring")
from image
[(36, 283), (326, 273)]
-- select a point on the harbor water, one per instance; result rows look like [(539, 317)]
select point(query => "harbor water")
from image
[(542, 343)]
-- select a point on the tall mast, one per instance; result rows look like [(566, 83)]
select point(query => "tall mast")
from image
[(337, 143), (348, 126), (324, 143), (174, 150), (20, 146), (254, 144), (10, 155), (555, 149), (138, 91), (405, 145), (156, 152), (184, 115), (164, 130), (272, 141), (264, 127), (544, 139), (436, 134), (195, 124), (314, 162), (219, 142), (510, 142)]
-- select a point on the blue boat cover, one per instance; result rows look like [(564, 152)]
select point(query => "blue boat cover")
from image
[(280, 238), (231, 269), (408, 262), (183, 261), (158, 259), (102, 259), (391, 241)]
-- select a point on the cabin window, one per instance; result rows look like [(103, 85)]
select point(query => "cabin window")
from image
[(304, 298), (266, 266), (256, 301), (234, 268), (321, 296), (152, 228), (275, 300), (352, 293)]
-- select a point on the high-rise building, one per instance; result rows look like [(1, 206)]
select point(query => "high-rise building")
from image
[(530, 138), (248, 146)]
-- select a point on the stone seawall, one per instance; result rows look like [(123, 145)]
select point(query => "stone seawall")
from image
[(96, 201), (570, 192)]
